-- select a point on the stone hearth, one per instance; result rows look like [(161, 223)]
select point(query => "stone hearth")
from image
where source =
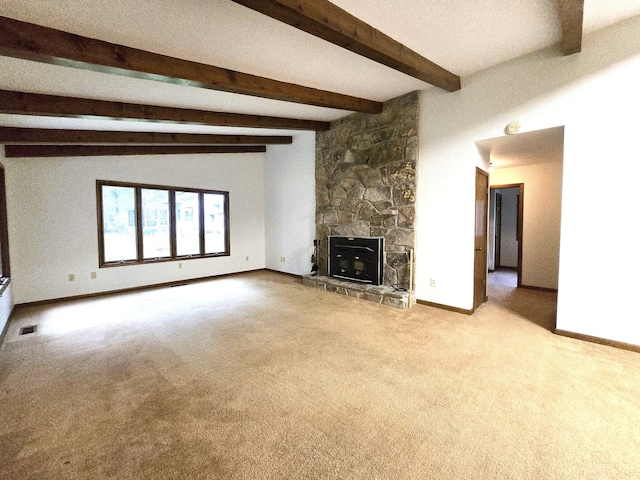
[(384, 295)]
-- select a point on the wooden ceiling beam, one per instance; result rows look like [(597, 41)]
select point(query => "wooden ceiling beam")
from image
[(47, 135), (34, 42), (571, 17), (57, 106), (333, 24), (41, 151)]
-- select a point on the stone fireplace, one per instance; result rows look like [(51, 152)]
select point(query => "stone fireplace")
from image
[(366, 184)]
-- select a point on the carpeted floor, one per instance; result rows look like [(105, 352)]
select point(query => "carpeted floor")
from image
[(257, 377), (504, 276)]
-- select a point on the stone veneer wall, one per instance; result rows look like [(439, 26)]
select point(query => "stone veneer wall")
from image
[(366, 182)]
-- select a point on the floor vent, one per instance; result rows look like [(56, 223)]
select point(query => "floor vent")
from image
[(27, 330)]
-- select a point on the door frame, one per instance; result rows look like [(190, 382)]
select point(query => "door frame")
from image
[(497, 228), (519, 220)]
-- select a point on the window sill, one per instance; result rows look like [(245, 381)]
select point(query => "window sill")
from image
[(163, 260)]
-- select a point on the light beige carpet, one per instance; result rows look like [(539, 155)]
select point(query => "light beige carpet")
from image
[(257, 377)]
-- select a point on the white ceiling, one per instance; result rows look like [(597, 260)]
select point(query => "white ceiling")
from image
[(462, 36), (527, 148)]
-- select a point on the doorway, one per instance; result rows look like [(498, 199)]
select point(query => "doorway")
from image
[(533, 159), (505, 227)]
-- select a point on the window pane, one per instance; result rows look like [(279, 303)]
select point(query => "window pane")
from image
[(187, 223), (118, 217), (155, 228), (214, 223)]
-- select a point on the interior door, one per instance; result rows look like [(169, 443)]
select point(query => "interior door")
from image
[(480, 254)]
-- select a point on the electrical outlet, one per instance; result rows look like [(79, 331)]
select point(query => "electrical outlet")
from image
[(94, 275), (282, 259), (247, 258), (432, 282), (72, 277), (179, 264)]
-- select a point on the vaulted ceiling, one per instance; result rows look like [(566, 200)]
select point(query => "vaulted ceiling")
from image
[(167, 50)]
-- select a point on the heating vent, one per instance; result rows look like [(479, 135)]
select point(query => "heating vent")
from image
[(28, 330)]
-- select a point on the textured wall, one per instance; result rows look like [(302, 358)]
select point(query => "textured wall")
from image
[(366, 182)]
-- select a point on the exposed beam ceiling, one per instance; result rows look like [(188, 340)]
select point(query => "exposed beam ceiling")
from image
[(333, 24), (40, 151), (45, 135), (464, 37), (58, 106), (34, 42), (571, 16)]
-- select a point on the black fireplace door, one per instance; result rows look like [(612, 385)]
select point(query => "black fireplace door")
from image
[(357, 259)]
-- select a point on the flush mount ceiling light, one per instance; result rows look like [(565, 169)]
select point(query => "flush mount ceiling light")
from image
[(512, 128)]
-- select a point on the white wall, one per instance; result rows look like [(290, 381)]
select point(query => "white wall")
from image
[(6, 306), (290, 204), (52, 218), (592, 94), (541, 224)]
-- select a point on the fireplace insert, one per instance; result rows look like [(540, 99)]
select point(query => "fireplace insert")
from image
[(357, 258)]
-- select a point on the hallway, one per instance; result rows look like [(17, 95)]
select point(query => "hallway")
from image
[(504, 276), (539, 307)]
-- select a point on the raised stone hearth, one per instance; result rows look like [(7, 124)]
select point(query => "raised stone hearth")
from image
[(384, 295)]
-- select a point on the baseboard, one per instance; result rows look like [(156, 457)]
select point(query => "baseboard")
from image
[(294, 275), (134, 289), (601, 341), (540, 289), (445, 307)]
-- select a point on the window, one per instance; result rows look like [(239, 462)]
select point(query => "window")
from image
[(156, 235), (187, 223), (118, 224), (150, 223)]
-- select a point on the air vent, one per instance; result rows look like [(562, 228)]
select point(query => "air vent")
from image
[(28, 330)]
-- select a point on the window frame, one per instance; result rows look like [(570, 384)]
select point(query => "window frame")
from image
[(173, 256), (5, 265)]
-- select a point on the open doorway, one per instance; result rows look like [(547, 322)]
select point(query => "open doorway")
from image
[(505, 233), (531, 162)]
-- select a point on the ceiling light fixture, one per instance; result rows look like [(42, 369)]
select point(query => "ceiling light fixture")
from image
[(512, 128)]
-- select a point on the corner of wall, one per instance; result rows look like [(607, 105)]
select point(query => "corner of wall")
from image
[(290, 205)]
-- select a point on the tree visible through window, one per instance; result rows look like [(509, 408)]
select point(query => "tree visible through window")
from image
[(118, 223), (146, 223), (188, 225), (215, 226), (156, 235)]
